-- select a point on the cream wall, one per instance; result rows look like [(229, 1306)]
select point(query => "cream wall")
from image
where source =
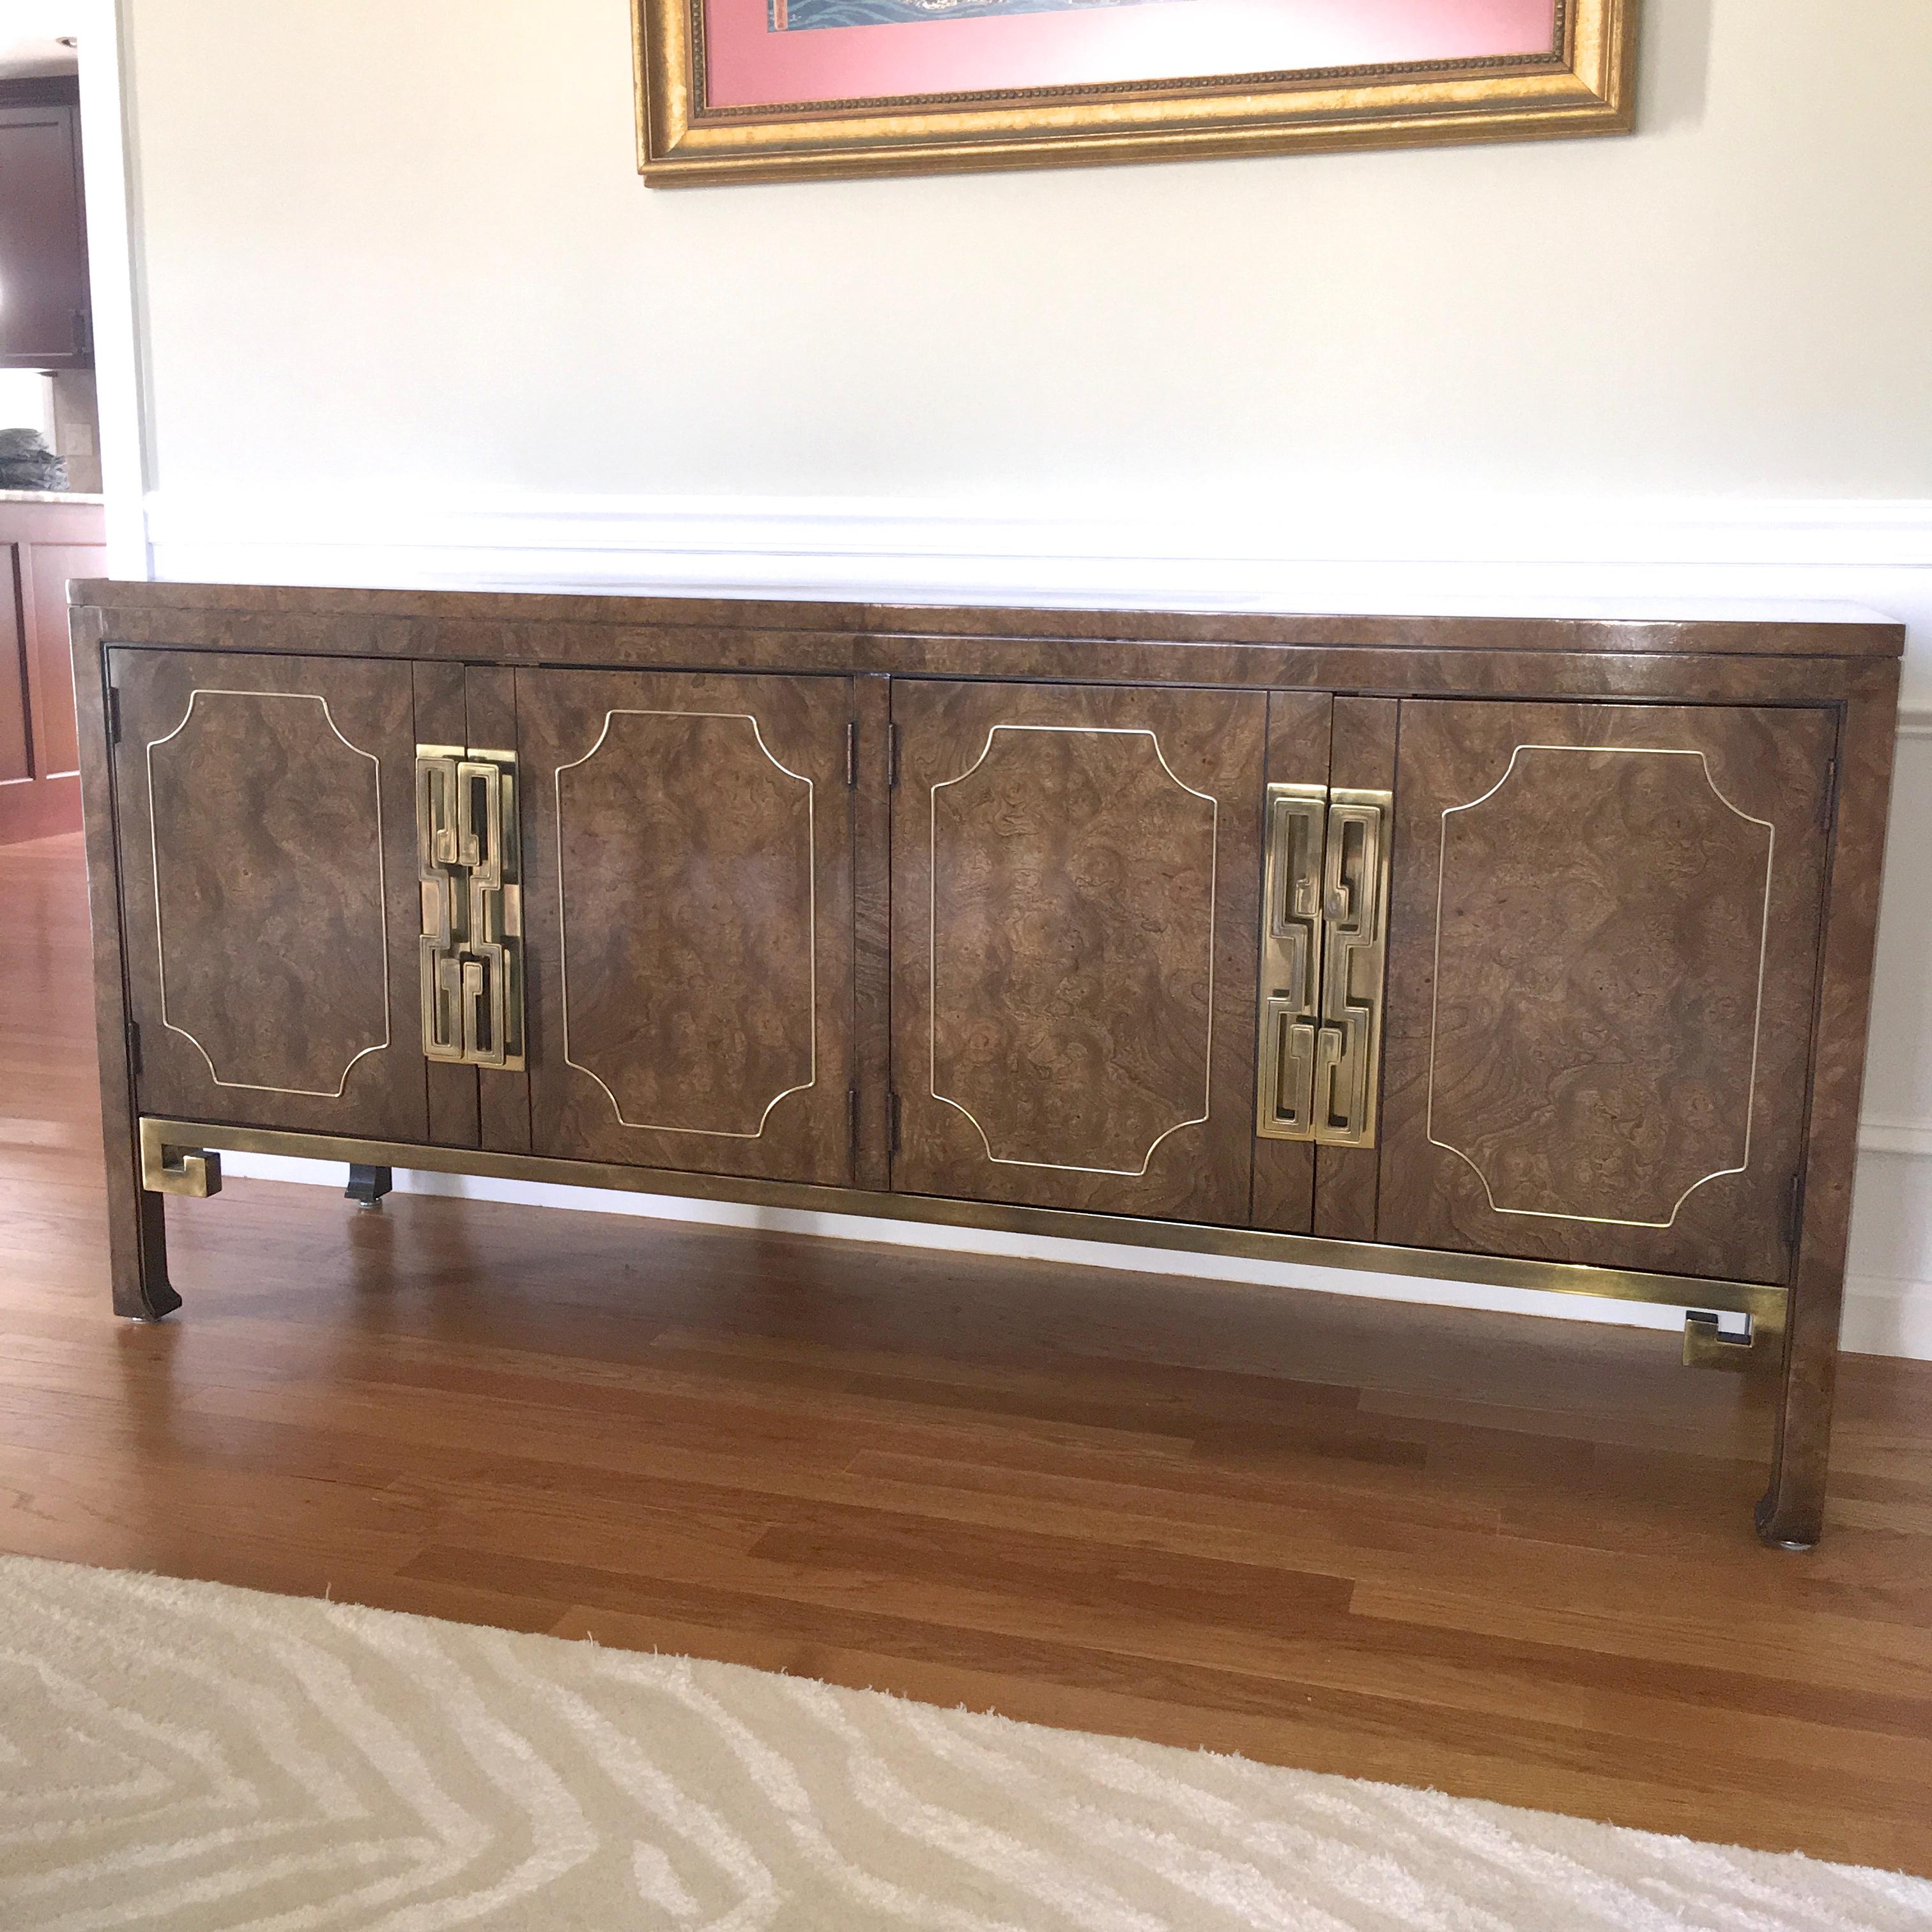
[(407, 316), (408, 242)]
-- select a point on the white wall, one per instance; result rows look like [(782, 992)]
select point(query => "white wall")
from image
[(407, 244), (409, 316)]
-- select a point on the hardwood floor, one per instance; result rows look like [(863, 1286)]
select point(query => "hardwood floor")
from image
[(1502, 1557)]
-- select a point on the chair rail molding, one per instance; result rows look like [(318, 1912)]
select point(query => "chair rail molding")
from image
[(1387, 551)]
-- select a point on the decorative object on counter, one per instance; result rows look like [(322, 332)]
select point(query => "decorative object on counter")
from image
[(738, 90), (1531, 952), (28, 463)]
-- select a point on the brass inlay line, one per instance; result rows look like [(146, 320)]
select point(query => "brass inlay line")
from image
[(1757, 1018), (812, 950), (381, 889), (932, 942)]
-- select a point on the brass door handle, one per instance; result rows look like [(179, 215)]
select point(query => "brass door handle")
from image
[(1324, 927), (1291, 961), (471, 951), (1347, 1052)]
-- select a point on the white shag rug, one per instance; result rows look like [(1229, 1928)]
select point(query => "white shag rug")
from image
[(189, 1757)]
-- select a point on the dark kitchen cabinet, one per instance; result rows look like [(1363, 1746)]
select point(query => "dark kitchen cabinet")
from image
[(45, 313), (44, 541)]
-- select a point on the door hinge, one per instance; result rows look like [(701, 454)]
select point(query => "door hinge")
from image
[(83, 332), (852, 753), (893, 1110), (852, 1118), (892, 779), (134, 1048), (113, 715), (1794, 1212)]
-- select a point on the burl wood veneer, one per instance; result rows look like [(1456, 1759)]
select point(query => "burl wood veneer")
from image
[(267, 843), (1593, 976), (689, 906), (957, 915), (1074, 896)]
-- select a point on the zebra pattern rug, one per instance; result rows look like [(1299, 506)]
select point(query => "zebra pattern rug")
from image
[(191, 1757)]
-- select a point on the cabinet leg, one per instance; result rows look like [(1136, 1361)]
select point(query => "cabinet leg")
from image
[(137, 1245), (367, 1185), (1792, 1514)]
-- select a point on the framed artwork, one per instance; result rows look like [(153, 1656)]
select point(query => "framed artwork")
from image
[(733, 90)]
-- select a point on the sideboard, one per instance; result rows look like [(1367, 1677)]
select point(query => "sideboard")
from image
[(1523, 951)]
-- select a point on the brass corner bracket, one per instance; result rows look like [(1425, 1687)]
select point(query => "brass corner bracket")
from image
[(194, 1172)]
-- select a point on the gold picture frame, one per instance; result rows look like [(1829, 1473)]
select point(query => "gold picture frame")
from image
[(1584, 84)]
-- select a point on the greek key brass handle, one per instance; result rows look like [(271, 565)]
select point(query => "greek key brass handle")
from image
[(472, 945), (1291, 961), (1325, 872), (1355, 886)]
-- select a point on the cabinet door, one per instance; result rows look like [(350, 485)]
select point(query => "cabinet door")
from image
[(266, 813), (688, 910), (47, 568), (43, 318), (1075, 890), (16, 760), (1602, 960)]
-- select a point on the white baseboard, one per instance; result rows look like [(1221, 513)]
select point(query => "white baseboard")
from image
[(973, 1241), (1882, 1317)]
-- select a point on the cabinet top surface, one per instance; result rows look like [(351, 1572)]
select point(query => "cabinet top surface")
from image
[(334, 618)]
